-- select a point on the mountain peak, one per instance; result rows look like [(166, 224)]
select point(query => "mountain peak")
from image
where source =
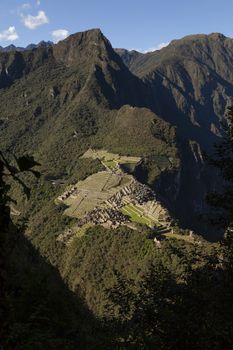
[(90, 34), (89, 43), (191, 37), (217, 36)]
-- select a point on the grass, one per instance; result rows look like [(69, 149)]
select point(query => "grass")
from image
[(110, 164), (177, 236), (82, 230), (110, 159), (139, 211), (129, 160), (136, 215)]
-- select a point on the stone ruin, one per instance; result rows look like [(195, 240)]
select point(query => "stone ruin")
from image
[(136, 193), (156, 210), (100, 216), (140, 193), (68, 193), (65, 236), (144, 197)]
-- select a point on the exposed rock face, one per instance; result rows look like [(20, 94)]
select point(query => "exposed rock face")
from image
[(191, 80), (80, 46), (129, 57)]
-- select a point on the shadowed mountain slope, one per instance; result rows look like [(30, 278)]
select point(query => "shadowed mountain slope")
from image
[(191, 86), (194, 74)]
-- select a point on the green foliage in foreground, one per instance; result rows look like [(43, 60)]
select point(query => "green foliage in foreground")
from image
[(150, 297), (37, 311), (126, 293)]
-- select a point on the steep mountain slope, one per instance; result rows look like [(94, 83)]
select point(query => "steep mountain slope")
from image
[(130, 58), (191, 83), (194, 73)]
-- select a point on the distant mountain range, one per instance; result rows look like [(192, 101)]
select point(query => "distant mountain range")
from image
[(29, 47)]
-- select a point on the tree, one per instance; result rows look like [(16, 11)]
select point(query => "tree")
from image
[(139, 322), (223, 160), (9, 171)]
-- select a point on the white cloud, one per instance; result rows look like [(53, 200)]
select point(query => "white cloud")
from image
[(33, 22), (25, 6), (134, 49), (159, 47), (21, 9), (9, 34), (59, 34), (38, 2)]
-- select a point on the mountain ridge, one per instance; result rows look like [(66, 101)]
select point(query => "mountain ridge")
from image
[(31, 46), (85, 84)]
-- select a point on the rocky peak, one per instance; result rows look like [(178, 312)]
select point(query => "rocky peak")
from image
[(82, 46), (10, 48), (217, 36), (128, 56)]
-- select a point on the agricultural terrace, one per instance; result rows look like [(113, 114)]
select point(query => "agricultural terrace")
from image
[(94, 191), (136, 215), (110, 160)]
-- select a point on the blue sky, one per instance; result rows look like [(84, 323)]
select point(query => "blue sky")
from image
[(132, 24)]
